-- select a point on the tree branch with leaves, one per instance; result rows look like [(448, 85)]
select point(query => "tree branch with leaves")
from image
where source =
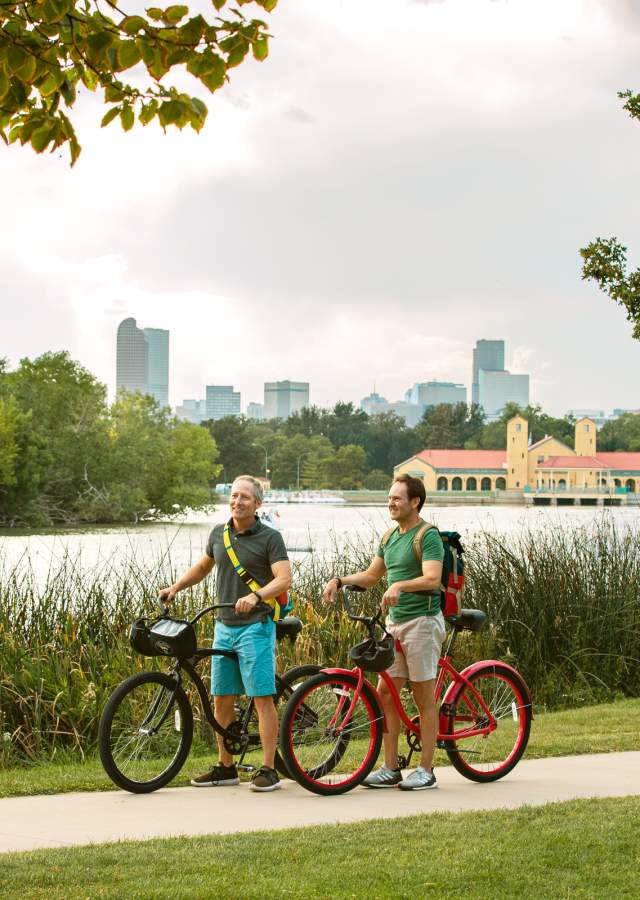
[(49, 49), (605, 259)]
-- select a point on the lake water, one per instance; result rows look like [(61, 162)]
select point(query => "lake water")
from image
[(304, 526)]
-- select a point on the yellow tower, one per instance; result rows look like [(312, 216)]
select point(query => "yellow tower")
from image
[(517, 444), (586, 430)]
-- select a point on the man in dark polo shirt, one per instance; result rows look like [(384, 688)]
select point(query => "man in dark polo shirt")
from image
[(247, 627)]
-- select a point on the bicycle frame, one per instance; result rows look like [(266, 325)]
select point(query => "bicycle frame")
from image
[(445, 667)]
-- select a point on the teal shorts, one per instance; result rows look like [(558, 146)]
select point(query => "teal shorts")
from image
[(254, 672)]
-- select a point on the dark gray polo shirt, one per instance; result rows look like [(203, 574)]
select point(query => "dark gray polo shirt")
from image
[(256, 548)]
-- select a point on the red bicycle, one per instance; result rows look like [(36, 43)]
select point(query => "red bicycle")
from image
[(331, 729)]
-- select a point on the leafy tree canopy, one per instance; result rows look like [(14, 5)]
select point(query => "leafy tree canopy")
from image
[(605, 260), (51, 49)]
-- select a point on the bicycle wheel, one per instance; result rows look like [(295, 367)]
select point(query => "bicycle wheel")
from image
[(145, 732), (285, 686), (326, 751), (489, 756)]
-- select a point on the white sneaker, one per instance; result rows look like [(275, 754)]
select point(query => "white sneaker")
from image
[(383, 778), (420, 780)]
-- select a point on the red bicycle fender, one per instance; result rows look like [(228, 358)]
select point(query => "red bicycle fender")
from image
[(354, 674), (480, 664)]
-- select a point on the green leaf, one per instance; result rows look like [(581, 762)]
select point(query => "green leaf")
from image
[(4, 84), (100, 41), (260, 48), (27, 71), (148, 112), (128, 54), (154, 13), (218, 4), (41, 138), (132, 24), (68, 92), (170, 112), (126, 118), (51, 83), (192, 31), (89, 78), (173, 14), (15, 58), (113, 93), (110, 116), (269, 5)]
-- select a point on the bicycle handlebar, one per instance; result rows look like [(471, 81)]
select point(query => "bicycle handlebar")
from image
[(369, 621), (164, 611)]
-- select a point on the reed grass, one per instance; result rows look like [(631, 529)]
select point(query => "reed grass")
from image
[(563, 607)]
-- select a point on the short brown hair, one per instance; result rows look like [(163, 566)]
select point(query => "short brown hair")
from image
[(257, 485), (415, 488)]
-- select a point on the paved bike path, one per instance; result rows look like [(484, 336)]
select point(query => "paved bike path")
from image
[(63, 820)]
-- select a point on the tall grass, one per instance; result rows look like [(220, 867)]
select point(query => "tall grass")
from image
[(563, 607)]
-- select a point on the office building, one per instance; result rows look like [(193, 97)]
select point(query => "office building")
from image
[(496, 389), (375, 405), (131, 357), (194, 411), (433, 393), (158, 364), (142, 360), (221, 401), (255, 411), (282, 398), (487, 355)]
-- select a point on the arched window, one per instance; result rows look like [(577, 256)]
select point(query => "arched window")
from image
[(603, 482), (562, 484), (630, 485), (472, 484), (443, 484), (485, 484), (456, 484), (617, 482), (501, 484)]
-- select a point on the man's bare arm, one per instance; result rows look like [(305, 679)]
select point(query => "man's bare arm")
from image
[(366, 579), (430, 580), (280, 582)]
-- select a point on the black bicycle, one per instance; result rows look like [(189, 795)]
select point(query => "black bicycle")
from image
[(146, 728)]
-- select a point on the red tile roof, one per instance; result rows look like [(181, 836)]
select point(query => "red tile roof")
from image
[(572, 462), (464, 459), (624, 461)]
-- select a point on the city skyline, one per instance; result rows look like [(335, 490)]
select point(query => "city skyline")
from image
[(368, 253)]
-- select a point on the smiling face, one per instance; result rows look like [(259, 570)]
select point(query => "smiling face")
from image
[(243, 502), (401, 508)]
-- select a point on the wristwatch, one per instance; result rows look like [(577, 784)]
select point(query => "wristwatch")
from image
[(258, 595)]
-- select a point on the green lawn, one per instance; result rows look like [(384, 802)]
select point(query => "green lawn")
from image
[(595, 729), (581, 849)]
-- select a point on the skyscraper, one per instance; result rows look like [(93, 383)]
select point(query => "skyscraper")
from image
[(433, 393), (281, 398), (221, 401), (496, 389), (142, 360), (158, 364), (488, 355), (131, 357)]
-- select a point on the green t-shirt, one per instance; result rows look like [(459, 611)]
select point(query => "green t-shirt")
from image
[(402, 565)]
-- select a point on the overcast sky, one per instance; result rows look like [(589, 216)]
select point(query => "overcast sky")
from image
[(396, 181)]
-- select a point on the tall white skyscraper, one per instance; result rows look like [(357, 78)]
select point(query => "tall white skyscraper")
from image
[(488, 355), (142, 360), (281, 398)]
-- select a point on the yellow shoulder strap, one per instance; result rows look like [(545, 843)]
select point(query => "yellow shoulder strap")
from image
[(417, 540), (244, 575)]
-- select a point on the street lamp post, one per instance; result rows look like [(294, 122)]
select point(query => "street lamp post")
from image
[(266, 458), (302, 455)]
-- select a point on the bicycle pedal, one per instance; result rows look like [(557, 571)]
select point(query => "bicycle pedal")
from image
[(244, 767)]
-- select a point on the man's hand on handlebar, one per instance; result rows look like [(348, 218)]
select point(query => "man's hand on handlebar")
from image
[(246, 604), (330, 591), (167, 594)]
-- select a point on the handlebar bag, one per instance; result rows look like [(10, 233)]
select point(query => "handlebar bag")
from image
[(173, 637)]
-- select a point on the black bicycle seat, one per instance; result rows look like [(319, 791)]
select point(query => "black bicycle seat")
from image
[(290, 627), (469, 619)]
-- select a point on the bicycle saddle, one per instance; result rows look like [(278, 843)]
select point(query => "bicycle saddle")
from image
[(290, 627), (469, 619)]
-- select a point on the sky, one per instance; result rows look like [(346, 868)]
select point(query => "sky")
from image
[(395, 181)]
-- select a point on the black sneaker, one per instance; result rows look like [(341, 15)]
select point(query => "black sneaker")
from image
[(219, 776), (265, 779)]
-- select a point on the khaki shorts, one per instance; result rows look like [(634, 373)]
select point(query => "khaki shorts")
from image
[(420, 640)]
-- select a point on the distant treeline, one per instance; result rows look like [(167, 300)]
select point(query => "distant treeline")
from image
[(66, 456)]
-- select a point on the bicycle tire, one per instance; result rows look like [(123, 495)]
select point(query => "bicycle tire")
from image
[(133, 758), (321, 759), (292, 677), (491, 756)]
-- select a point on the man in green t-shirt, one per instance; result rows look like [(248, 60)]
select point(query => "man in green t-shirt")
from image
[(415, 621)]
